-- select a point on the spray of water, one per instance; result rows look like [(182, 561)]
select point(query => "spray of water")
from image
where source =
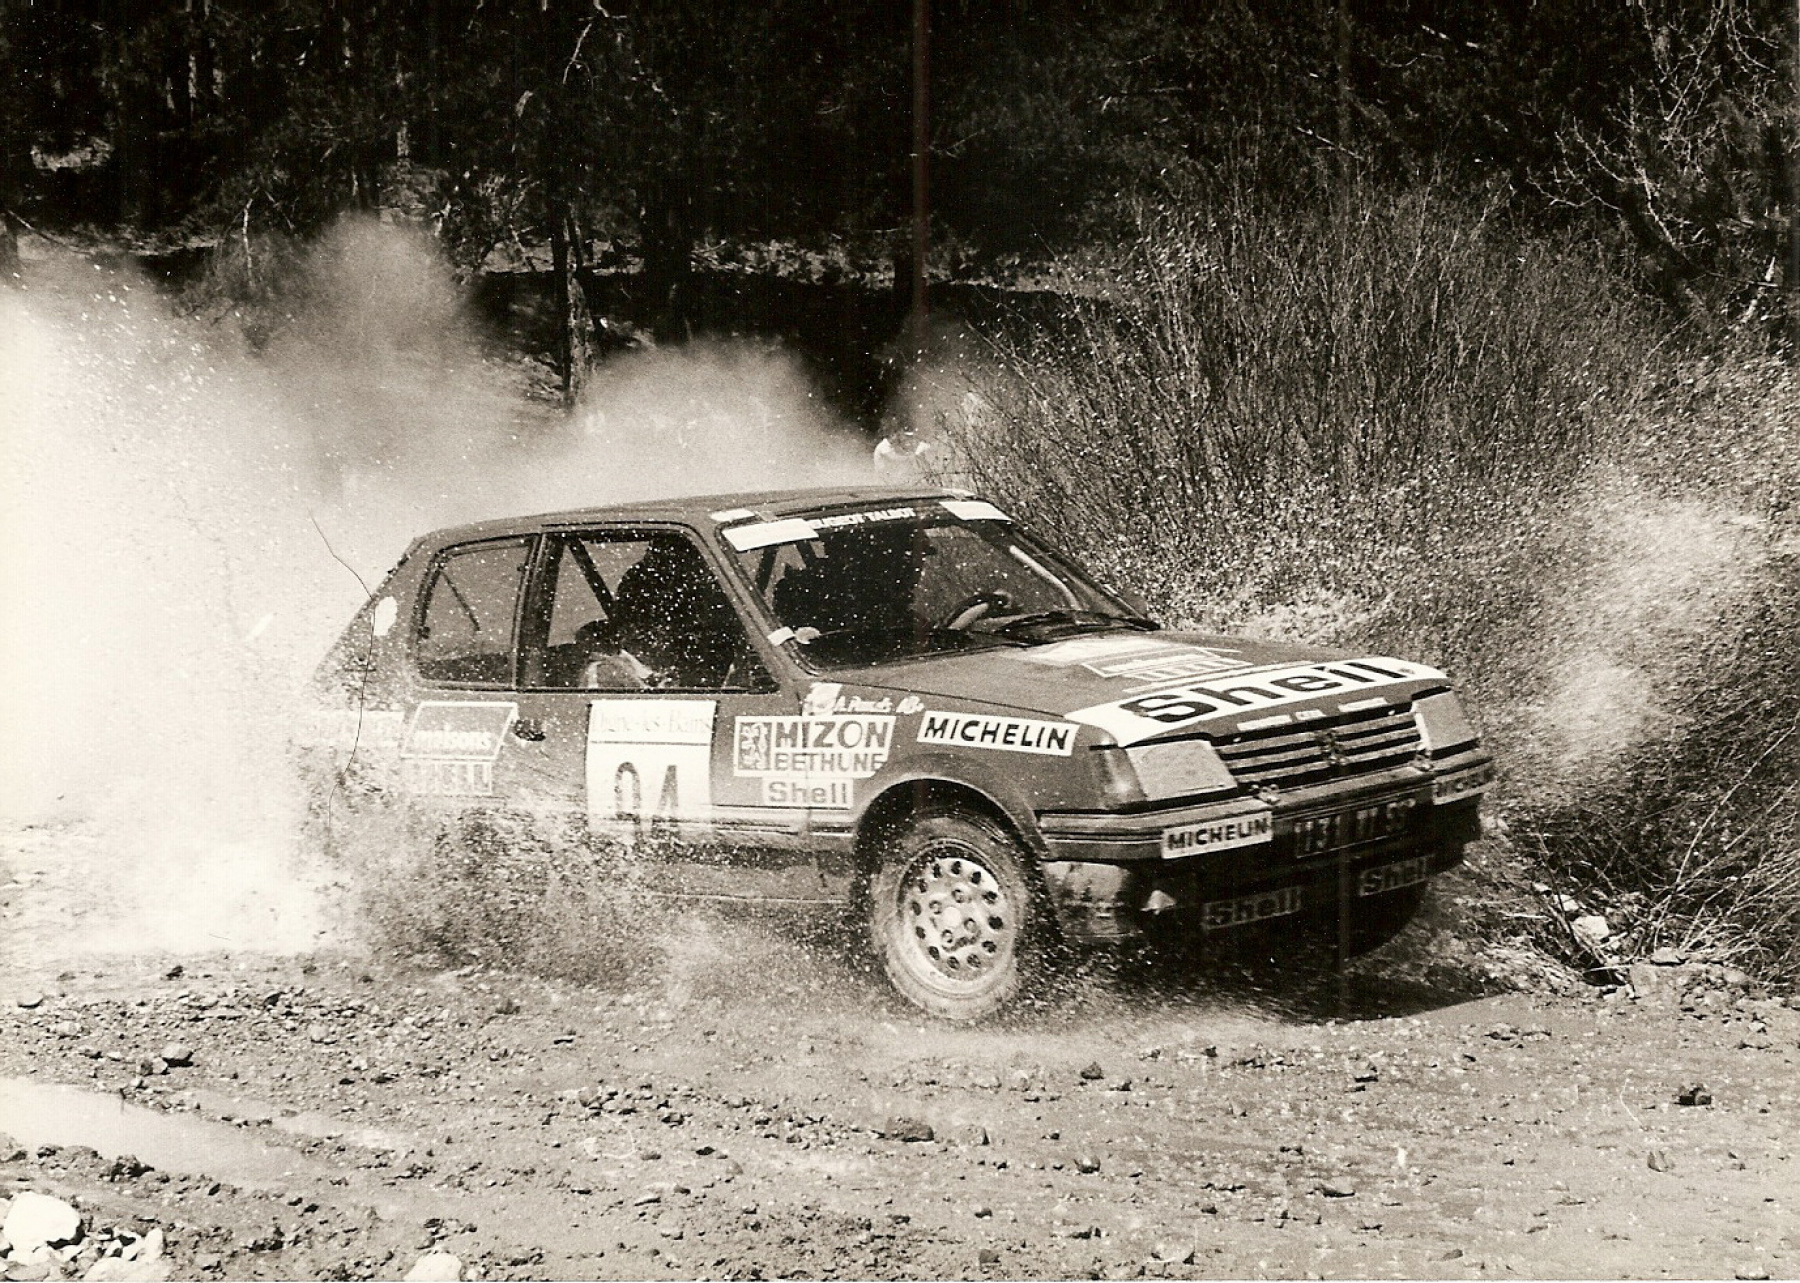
[(1659, 573), (187, 524)]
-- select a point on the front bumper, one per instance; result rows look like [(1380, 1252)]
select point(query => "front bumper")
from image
[(1117, 875)]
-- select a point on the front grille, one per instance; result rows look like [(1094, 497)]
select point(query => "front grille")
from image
[(1329, 749)]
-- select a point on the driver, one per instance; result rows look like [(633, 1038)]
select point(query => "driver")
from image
[(610, 666), (675, 618)]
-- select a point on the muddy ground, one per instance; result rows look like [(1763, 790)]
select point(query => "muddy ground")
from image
[(756, 1106)]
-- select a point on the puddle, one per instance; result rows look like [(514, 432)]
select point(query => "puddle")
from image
[(310, 1123), (35, 1113)]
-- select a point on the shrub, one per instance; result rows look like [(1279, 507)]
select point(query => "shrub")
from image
[(1394, 424), (501, 890)]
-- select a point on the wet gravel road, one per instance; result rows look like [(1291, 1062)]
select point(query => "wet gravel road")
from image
[(755, 1109)]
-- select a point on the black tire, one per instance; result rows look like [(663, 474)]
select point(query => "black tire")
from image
[(937, 866), (1378, 920)]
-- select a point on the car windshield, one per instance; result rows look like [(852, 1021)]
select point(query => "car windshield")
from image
[(880, 585)]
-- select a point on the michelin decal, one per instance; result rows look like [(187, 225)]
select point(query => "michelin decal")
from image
[(1252, 829), (1012, 734)]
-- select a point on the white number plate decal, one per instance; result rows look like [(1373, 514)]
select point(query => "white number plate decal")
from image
[(649, 762)]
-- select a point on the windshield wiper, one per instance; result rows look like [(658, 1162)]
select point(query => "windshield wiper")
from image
[(1075, 619)]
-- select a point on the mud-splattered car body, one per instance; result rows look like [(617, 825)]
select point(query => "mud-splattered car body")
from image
[(898, 698)]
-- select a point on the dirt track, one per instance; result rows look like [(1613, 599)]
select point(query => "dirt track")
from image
[(759, 1108)]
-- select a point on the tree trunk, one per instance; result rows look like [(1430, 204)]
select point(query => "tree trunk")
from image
[(9, 252), (574, 324), (665, 242)]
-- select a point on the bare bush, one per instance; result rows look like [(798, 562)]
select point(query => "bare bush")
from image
[(502, 890), (1396, 424)]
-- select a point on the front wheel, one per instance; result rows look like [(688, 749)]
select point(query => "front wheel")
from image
[(956, 917)]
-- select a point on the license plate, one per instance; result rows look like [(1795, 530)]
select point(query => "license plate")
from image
[(1217, 914), (1319, 834), (1391, 877)]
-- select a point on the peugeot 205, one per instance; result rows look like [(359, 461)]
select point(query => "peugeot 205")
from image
[(904, 702)]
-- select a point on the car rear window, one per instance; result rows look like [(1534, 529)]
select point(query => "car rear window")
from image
[(471, 604)]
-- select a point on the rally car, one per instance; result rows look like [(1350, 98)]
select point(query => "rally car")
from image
[(902, 701)]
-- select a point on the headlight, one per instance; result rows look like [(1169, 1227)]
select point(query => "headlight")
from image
[(1443, 725), (1182, 768)]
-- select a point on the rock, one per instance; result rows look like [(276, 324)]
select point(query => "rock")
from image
[(971, 1134), (1173, 1252), (1694, 1095), (1667, 957), (35, 1223), (319, 1033), (127, 1167), (1087, 1163), (1093, 1073), (147, 1248), (1365, 1071), (435, 1267), (1652, 984), (907, 1129), (982, 1211), (178, 1054), (1591, 929), (988, 1256), (1336, 1189), (116, 1269), (1658, 1160), (30, 999)]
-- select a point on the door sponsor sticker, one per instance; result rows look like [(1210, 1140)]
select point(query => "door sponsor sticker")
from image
[(1218, 835), (811, 761), (1141, 716), (450, 747), (1013, 734), (649, 764)]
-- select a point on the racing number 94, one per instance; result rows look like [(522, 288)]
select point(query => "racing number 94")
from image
[(628, 803)]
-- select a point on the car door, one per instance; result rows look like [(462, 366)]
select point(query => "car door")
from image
[(456, 748), (636, 672)]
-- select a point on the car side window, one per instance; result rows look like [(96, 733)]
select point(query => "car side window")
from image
[(637, 610), (466, 628)]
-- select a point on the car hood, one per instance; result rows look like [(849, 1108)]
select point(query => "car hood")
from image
[(1136, 686)]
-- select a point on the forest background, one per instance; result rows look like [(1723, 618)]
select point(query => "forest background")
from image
[(1463, 331)]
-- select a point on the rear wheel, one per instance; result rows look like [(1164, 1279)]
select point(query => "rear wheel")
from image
[(955, 915)]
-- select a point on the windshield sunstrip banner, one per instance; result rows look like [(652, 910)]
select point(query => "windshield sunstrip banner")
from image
[(1153, 713)]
